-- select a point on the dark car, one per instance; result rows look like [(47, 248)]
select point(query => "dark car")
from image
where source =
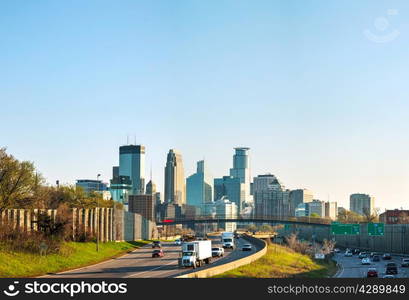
[(391, 268), (246, 247), (156, 244), (362, 255), (376, 258), (387, 256), (157, 253), (372, 272), (355, 251)]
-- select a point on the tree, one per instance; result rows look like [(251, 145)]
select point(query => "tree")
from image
[(18, 181), (315, 215), (371, 217), (347, 216), (266, 228)]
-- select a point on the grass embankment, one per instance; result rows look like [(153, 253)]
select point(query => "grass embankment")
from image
[(72, 255), (282, 262)]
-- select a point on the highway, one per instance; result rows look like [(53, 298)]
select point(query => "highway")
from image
[(140, 264), (351, 267)]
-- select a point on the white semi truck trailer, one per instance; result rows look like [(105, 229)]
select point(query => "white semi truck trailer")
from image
[(227, 240), (196, 253)]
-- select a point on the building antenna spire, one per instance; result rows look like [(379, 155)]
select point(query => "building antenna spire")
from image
[(127, 139), (151, 171)]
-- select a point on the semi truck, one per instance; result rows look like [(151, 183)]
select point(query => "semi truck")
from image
[(228, 240), (196, 253)]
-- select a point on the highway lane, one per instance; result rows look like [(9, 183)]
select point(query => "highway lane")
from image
[(140, 264), (351, 267)]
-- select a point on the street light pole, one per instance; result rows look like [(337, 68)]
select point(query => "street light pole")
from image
[(97, 214)]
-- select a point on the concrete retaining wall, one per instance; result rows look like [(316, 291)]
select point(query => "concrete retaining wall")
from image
[(111, 224), (209, 272)]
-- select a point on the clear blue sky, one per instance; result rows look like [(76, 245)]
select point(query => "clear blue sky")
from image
[(320, 103)]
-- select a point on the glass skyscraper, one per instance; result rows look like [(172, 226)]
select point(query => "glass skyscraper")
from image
[(241, 170), (199, 186), (132, 164)]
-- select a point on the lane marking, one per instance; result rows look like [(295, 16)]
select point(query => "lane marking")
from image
[(139, 273)]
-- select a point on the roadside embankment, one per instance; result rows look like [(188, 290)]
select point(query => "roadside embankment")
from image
[(282, 262), (71, 255)]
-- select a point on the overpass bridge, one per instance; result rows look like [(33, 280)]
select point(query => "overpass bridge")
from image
[(248, 220)]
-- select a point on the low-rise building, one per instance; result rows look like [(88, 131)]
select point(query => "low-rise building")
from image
[(396, 216)]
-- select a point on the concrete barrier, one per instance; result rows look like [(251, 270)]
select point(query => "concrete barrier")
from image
[(209, 272)]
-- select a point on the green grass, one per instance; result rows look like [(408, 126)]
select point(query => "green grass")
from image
[(282, 262), (72, 255)]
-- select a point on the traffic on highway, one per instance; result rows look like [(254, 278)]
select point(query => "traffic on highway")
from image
[(354, 263), (167, 259)]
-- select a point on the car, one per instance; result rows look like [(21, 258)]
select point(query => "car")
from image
[(405, 262), (391, 268), (217, 252), (246, 247), (156, 244), (356, 251), (336, 250), (157, 253), (363, 255), (348, 254), (372, 254), (376, 258), (366, 261), (387, 256), (372, 272), (178, 242), (388, 276)]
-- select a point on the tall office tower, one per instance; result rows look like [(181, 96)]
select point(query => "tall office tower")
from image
[(271, 198), (175, 188), (199, 186), (132, 164), (241, 170), (331, 210), (299, 196), (362, 204), (231, 188)]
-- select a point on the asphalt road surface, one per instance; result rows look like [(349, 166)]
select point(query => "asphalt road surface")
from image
[(351, 267), (140, 264)]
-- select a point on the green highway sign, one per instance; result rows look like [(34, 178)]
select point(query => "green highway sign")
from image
[(376, 229), (345, 229)]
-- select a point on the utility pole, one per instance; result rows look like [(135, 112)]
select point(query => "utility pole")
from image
[(98, 218)]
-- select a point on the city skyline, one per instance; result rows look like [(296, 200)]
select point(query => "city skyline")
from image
[(322, 104)]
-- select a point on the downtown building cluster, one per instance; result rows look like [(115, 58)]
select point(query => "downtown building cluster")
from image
[(234, 195), (201, 195)]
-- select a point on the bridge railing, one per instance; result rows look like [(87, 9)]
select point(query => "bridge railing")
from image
[(224, 218)]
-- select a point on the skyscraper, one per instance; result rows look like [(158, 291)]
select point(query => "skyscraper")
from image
[(362, 204), (199, 186), (150, 188), (271, 198), (175, 188), (132, 164), (241, 170)]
